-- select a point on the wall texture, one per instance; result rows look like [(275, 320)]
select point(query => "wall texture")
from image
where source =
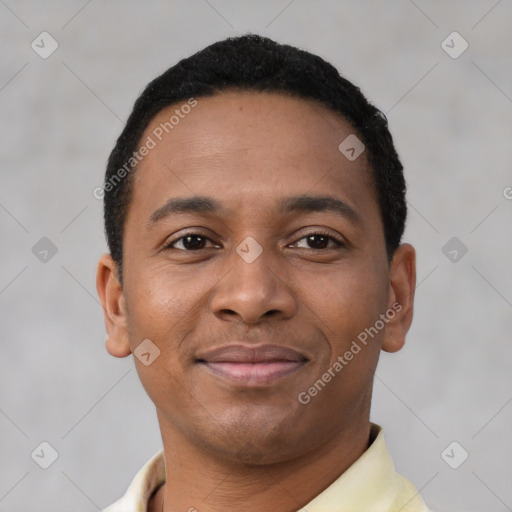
[(450, 111)]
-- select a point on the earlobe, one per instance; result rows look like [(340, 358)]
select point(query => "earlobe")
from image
[(401, 297), (117, 347), (114, 307)]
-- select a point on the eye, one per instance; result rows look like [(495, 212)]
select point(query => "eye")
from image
[(197, 241), (190, 242), (319, 240)]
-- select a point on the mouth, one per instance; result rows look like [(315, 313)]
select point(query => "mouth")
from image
[(252, 366)]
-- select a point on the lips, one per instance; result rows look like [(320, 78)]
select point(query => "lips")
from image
[(252, 366)]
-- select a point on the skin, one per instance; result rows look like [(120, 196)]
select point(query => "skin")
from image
[(259, 446)]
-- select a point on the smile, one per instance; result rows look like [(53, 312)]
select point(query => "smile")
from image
[(252, 366)]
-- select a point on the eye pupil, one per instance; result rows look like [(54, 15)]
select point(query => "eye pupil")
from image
[(189, 244), (324, 240)]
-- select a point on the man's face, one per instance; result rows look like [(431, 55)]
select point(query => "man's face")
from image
[(242, 334)]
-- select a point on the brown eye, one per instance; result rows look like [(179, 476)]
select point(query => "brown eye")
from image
[(319, 241), (190, 242)]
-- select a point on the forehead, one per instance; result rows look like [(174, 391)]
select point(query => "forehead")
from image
[(261, 118), (247, 145)]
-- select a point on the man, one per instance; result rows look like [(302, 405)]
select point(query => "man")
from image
[(254, 207)]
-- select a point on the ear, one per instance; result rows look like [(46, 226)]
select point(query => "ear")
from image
[(401, 297), (114, 307)]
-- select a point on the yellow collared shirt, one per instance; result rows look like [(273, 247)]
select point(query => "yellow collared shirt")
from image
[(371, 484)]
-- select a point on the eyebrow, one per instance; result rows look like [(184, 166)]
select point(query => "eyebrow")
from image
[(175, 205), (308, 204), (301, 203)]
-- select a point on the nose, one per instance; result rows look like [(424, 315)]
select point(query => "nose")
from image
[(252, 291)]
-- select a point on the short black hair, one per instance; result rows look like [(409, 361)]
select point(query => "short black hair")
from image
[(255, 63)]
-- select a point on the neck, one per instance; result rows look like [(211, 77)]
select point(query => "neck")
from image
[(197, 480)]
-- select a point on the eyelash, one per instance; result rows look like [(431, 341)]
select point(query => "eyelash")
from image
[(339, 244)]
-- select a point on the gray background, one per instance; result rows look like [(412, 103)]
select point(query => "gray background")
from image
[(451, 120)]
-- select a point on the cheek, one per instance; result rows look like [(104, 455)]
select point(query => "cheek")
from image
[(161, 309), (345, 301), (158, 312), (161, 302)]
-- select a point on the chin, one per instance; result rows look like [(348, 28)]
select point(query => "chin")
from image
[(257, 438)]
